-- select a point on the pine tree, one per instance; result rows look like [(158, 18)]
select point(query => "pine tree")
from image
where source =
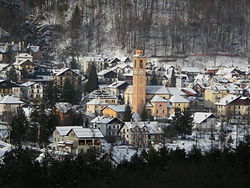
[(75, 22), (183, 122), (154, 79), (127, 114), (69, 93), (173, 79), (52, 95), (92, 83), (144, 114), (12, 75), (19, 125)]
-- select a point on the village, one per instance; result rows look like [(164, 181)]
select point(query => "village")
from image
[(118, 104)]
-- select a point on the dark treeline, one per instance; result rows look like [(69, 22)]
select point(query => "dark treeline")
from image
[(164, 168)]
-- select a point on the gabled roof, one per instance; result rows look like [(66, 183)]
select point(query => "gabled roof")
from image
[(151, 127), (27, 84), (178, 99), (64, 70), (63, 106), (24, 55), (18, 63), (64, 130), (117, 108), (175, 91), (200, 117), (117, 84), (154, 90), (96, 101), (87, 132), (10, 100), (158, 98), (104, 120), (227, 99), (79, 131), (103, 72)]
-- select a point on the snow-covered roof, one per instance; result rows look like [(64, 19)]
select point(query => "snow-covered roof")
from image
[(226, 100), (151, 127), (34, 48), (175, 91), (27, 84), (10, 100), (87, 132), (24, 55), (190, 90), (63, 106), (63, 130), (158, 98), (3, 65), (18, 63), (225, 70), (117, 84), (96, 101), (102, 120), (117, 108), (103, 72), (61, 71), (152, 89), (178, 99), (190, 69), (200, 117)]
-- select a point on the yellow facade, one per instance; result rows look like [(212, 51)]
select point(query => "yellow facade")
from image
[(211, 97), (109, 112), (181, 105)]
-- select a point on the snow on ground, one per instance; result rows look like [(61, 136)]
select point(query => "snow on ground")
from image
[(4, 147)]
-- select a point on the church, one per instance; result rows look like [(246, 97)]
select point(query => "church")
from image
[(158, 100)]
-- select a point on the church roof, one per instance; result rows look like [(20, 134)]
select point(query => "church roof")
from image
[(158, 98)]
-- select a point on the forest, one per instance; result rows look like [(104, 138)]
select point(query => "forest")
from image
[(162, 27), (163, 168)]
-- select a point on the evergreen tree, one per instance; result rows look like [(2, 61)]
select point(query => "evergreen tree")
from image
[(19, 125), (75, 22), (154, 79), (182, 122), (92, 83), (127, 114), (52, 95), (12, 75), (43, 123), (73, 64), (144, 114), (69, 93), (173, 79)]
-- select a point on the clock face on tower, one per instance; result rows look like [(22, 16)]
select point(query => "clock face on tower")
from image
[(141, 64)]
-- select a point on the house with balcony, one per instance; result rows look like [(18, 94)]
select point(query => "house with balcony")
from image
[(76, 139)]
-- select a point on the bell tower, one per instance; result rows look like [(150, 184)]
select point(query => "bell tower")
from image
[(139, 81)]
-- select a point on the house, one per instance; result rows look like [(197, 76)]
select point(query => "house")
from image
[(117, 88), (34, 51), (213, 94), (107, 76), (9, 88), (32, 91), (76, 139), (97, 60), (102, 94), (141, 134), (65, 113), (204, 121), (60, 77), (4, 68), (95, 106), (114, 111), (234, 107), (109, 126), (178, 101), (158, 107), (8, 107), (24, 68), (24, 56)]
